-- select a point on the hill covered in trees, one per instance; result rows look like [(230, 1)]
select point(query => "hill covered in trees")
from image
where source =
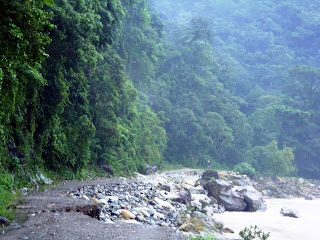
[(129, 83)]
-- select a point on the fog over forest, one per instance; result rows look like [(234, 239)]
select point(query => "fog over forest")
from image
[(87, 85), (242, 83)]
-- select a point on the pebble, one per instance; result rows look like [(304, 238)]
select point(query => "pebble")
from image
[(95, 200), (127, 214)]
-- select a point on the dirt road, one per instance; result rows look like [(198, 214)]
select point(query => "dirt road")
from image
[(53, 215)]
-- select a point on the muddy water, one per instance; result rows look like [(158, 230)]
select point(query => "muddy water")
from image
[(307, 227)]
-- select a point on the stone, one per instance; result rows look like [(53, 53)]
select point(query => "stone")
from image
[(301, 180), (252, 198), (309, 197), (188, 227), (164, 187), (218, 224), (164, 203), (210, 175), (85, 197), (232, 201), (289, 212), (184, 197), (95, 200), (145, 213), (113, 199), (45, 179), (139, 218), (215, 187), (4, 221), (151, 212), (151, 169), (127, 214), (197, 190), (104, 201), (107, 169)]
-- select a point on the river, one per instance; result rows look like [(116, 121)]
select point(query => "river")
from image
[(307, 227)]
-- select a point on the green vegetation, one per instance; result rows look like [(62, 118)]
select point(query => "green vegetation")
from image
[(253, 233), (169, 83), (212, 237), (245, 168), (6, 196)]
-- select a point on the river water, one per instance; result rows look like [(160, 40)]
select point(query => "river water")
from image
[(307, 227)]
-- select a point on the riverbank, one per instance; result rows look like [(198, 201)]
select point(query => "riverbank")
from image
[(169, 205)]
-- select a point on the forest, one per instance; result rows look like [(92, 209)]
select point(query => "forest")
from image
[(87, 83)]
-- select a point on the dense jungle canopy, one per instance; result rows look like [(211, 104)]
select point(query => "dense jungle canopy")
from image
[(127, 83)]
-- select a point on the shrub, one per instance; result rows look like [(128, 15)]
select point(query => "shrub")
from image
[(245, 168), (6, 181), (253, 233)]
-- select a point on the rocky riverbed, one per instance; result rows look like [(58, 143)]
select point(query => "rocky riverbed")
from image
[(169, 205)]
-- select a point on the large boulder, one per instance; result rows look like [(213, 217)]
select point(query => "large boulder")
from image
[(215, 187), (232, 200), (252, 198), (210, 175)]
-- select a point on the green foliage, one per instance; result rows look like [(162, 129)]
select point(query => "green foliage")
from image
[(252, 233), (7, 181), (6, 200), (211, 237), (270, 160), (245, 168)]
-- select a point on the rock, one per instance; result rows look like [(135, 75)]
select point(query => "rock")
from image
[(188, 227), (189, 183), (151, 212), (210, 175), (113, 199), (104, 201), (240, 180), (184, 197), (289, 212), (145, 213), (215, 187), (139, 218), (127, 214), (232, 201), (197, 190), (309, 197), (4, 222), (227, 230), (164, 203), (85, 197), (107, 169), (218, 224), (151, 169), (164, 187), (95, 200), (24, 190), (252, 198), (45, 179), (301, 180)]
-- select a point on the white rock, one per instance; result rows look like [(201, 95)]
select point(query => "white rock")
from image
[(104, 201), (113, 198), (85, 197), (164, 203)]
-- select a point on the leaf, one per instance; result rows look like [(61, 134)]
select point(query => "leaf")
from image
[(49, 2)]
